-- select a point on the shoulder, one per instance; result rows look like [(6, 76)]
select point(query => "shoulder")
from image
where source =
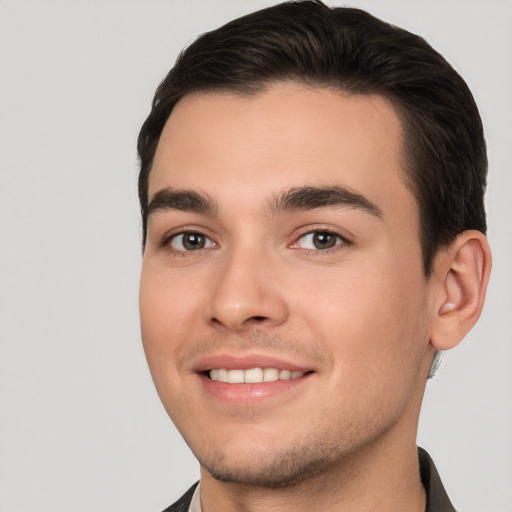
[(183, 504)]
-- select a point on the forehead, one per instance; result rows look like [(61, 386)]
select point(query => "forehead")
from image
[(287, 136)]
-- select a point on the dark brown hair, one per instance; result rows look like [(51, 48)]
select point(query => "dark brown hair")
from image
[(349, 50)]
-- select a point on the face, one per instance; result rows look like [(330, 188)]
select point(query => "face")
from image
[(284, 309)]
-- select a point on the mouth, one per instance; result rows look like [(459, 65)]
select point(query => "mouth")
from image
[(252, 375), (248, 380)]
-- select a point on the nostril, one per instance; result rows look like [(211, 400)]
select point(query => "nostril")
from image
[(258, 318)]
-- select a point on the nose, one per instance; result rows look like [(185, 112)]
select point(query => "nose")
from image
[(248, 294)]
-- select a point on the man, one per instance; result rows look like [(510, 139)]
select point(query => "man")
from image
[(311, 188)]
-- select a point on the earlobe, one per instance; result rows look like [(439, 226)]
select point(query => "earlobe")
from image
[(462, 272)]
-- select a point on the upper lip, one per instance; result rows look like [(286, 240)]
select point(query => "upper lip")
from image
[(246, 362)]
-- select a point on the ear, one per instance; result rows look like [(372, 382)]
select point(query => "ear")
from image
[(462, 272)]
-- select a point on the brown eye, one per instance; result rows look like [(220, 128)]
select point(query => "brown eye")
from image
[(324, 240), (320, 240), (190, 242)]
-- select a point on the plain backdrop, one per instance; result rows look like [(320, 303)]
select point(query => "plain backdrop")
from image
[(81, 427)]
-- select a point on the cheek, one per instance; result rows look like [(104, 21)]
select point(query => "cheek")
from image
[(168, 298), (371, 319), (165, 314), (165, 307)]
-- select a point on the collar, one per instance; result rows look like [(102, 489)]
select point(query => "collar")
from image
[(437, 498)]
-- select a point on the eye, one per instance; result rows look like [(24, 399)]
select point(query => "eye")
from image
[(190, 241), (319, 241)]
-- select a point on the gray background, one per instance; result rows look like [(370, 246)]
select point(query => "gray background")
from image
[(81, 427)]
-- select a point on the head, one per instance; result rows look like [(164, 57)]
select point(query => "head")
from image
[(301, 116)]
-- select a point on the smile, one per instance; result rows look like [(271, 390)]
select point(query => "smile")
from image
[(252, 375)]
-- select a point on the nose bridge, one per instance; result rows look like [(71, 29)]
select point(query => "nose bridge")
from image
[(246, 291)]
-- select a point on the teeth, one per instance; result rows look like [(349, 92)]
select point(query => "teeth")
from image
[(270, 375), (236, 376), (253, 376)]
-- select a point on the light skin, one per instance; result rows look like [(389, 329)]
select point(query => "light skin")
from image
[(282, 235)]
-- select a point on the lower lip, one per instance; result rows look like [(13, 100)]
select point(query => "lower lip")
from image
[(250, 394)]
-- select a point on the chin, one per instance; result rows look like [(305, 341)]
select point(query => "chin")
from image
[(270, 468)]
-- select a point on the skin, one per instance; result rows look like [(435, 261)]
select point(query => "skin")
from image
[(359, 316)]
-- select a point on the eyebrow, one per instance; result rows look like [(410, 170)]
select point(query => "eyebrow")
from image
[(182, 200), (292, 200), (310, 198)]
